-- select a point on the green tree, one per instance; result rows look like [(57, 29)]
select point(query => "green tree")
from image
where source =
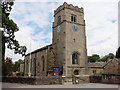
[(107, 57), (10, 27), (111, 55), (93, 58), (7, 67), (17, 65), (118, 53)]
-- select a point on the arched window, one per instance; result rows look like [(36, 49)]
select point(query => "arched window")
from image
[(27, 65), (38, 66), (34, 66), (31, 62), (43, 60), (75, 58)]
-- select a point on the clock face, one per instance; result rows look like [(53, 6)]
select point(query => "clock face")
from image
[(75, 28), (58, 29)]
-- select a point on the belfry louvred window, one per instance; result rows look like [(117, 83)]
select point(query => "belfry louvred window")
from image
[(59, 20), (43, 62), (73, 18)]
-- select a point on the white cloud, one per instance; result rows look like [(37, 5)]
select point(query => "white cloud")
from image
[(101, 32), (34, 12)]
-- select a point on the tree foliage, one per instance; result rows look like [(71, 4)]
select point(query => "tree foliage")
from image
[(17, 65), (93, 58), (107, 57), (10, 27), (7, 67), (97, 58), (118, 53)]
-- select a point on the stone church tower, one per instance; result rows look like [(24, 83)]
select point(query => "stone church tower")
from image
[(68, 49), (69, 40)]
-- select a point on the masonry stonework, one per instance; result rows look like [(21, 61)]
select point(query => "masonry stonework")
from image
[(68, 49)]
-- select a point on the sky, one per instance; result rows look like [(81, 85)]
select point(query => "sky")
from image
[(34, 19)]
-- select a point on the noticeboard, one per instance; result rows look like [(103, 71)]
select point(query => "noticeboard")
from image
[(56, 69)]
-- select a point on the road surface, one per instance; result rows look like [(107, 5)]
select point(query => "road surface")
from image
[(87, 85)]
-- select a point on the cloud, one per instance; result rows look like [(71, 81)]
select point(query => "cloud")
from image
[(102, 33), (37, 17), (31, 18), (101, 19)]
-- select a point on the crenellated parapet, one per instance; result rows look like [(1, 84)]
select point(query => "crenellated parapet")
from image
[(68, 6)]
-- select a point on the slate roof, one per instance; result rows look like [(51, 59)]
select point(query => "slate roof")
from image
[(97, 64), (40, 49), (100, 64)]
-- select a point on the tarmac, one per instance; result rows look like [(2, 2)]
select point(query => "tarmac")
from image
[(83, 85)]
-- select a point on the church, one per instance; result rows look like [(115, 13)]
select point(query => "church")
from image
[(67, 55)]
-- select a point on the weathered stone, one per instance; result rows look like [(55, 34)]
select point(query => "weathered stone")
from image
[(68, 49)]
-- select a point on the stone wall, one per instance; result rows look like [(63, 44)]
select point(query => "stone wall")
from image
[(97, 71), (113, 67), (47, 80), (34, 80), (18, 80), (95, 79), (38, 62), (109, 79)]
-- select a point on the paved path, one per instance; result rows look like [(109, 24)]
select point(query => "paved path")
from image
[(89, 85)]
